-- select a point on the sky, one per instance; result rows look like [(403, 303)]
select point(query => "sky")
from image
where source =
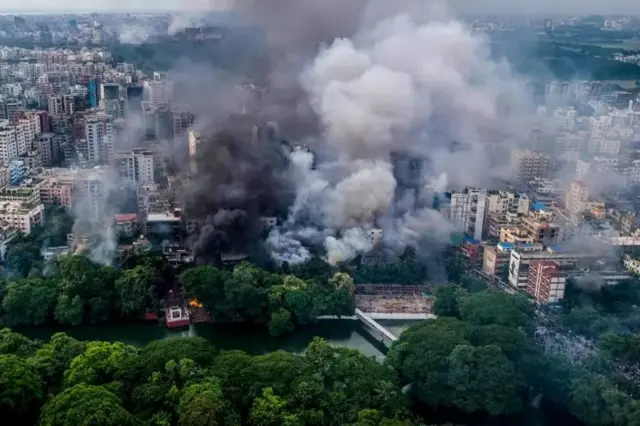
[(469, 6)]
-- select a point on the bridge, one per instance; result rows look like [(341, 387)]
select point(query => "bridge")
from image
[(376, 329)]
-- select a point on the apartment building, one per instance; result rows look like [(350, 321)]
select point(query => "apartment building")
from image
[(527, 164), (99, 134), (136, 165), (20, 216), (466, 210), (546, 282)]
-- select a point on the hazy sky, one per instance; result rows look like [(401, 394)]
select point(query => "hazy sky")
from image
[(471, 6)]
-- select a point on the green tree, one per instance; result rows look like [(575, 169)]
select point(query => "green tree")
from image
[(20, 389), (16, 344), (597, 402), (587, 321), (54, 357), (447, 300), (483, 379), (342, 280), (421, 356), (280, 322), (28, 301), (512, 341), (101, 363), (136, 291), (156, 354), (69, 310), (204, 404), (621, 346), (86, 405), (496, 307), (271, 410), (370, 417), (23, 254), (207, 284)]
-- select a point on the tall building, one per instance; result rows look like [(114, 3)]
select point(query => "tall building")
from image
[(136, 166), (577, 198), (180, 122), (195, 145), (56, 105), (45, 144), (527, 164), (150, 121), (546, 282), (466, 211), (158, 92), (93, 93), (135, 96), (109, 92), (8, 142), (99, 134)]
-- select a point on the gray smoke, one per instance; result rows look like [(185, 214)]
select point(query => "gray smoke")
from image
[(356, 85), (411, 84)]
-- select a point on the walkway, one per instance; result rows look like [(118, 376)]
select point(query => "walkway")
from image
[(370, 322)]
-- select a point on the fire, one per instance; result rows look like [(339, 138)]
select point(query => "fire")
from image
[(195, 304)]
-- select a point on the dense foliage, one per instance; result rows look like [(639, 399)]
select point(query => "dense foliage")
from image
[(188, 382), (76, 290), (481, 354), (279, 301)]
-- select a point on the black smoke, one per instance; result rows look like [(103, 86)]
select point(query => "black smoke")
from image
[(241, 177)]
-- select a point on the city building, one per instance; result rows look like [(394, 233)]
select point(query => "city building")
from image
[(466, 210), (136, 165), (99, 136), (521, 261), (20, 216), (528, 164), (577, 198), (126, 224), (8, 142), (502, 202), (195, 147), (545, 282)]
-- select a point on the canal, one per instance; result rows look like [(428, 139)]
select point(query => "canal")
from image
[(346, 333)]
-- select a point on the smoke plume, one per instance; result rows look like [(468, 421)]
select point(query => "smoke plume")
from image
[(380, 103)]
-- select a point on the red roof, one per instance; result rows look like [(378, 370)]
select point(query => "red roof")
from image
[(130, 217)]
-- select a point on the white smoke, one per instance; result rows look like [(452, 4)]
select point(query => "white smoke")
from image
[(402, 84), (353, 242)]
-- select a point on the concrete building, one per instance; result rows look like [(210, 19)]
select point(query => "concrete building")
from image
[(20, 216), (577, 198), (126, 224), (109, 92), (56, 105), (99, 135), (502, 202), (521, 261), (496, 258), (8, 142), (158, 92), (58, 192), (496, 222), (45, 144), (195, 146), (516, 235), (466, 211), (136, 165), (527, 164), (546, 283)]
